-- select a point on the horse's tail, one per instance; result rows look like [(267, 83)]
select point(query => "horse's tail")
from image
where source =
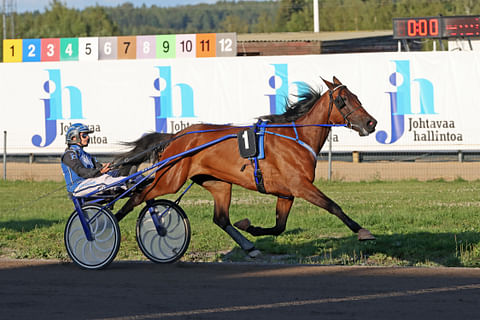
[(147, 148)]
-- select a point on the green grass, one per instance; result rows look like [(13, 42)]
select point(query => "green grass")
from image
[(434, 223)]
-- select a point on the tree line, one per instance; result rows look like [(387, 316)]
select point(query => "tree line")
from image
[(58, 20), (227, 16)]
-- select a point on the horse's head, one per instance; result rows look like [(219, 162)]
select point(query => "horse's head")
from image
[(348, 109)]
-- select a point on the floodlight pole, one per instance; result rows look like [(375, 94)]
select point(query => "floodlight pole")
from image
[(12, 19), (4, 22), (316, 18)]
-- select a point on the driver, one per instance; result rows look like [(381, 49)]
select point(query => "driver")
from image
[(83, 173)]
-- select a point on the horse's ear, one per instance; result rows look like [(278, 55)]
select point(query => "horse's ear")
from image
[(328, 83), (336, 81)]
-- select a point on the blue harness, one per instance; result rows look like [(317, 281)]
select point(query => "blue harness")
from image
[(258, 143)]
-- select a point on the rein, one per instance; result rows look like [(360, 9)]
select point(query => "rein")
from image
[(296, 138), (166, 142)]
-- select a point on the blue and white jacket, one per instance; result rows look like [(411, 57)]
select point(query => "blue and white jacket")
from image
[(78, 165)]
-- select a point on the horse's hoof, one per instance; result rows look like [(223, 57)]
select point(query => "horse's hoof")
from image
[(242, 224), (254, 253), (364, 235)]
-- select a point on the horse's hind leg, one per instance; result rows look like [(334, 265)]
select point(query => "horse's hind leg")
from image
[(156, 188), (222, 193), (134, 201), (283, 209), (315, 196)]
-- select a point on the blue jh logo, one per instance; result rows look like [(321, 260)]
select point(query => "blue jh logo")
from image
[(277, 100), (53, 107), (163, 102), (400, 101)]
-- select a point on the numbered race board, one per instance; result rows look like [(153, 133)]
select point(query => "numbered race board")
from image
[(125, 47)]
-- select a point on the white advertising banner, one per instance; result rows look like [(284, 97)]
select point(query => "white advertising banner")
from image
[(422, 100)]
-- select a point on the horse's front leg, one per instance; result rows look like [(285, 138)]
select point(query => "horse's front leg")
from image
[(157, 188), (222, 193), (283, 209), (311, 193)]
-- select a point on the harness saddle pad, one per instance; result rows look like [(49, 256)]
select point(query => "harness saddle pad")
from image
[(247, 143), (251, 141)]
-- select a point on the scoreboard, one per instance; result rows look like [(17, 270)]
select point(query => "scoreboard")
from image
[(436, 27), (122, 47)]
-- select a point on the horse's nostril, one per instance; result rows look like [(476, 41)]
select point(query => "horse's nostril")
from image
[(371, 124)]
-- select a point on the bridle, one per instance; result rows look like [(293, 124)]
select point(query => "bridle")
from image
[(340, 104)]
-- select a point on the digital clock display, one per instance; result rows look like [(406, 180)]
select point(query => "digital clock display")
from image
[(411, 28), (436, 27)]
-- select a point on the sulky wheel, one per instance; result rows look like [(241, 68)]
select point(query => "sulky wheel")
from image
[(102, 249), (168, 241)]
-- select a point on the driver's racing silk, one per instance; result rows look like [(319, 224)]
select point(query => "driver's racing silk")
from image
[(72, 179)]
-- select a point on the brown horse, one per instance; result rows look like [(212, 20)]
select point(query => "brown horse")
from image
[(288, 168)]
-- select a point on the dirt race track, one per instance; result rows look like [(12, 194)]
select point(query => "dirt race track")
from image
[(142, 290)]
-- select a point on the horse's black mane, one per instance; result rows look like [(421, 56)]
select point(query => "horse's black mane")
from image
[(295, 110)]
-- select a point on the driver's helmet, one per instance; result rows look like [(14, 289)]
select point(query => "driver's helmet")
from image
[(74, 131)]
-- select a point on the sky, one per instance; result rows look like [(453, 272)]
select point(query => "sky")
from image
[(40, 5)]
